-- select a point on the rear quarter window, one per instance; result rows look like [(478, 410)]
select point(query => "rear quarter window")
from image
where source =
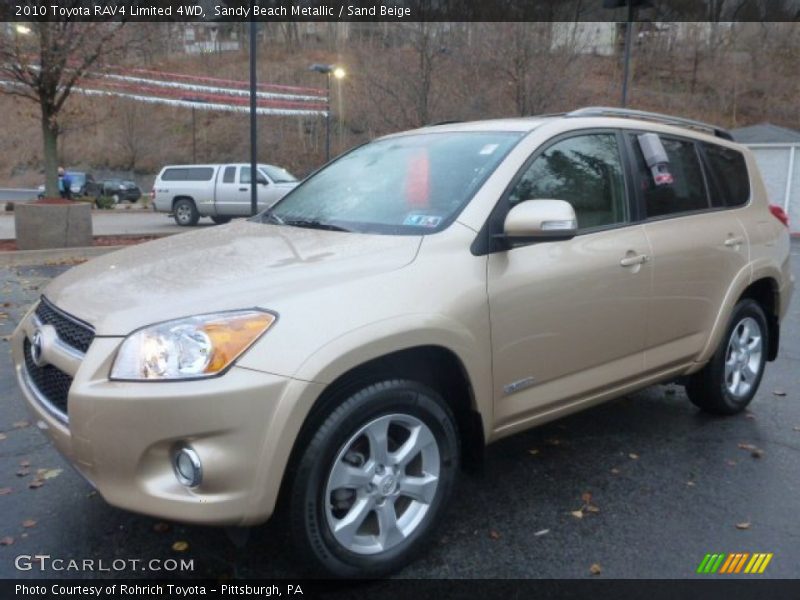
[(729, 172), (188, 174)]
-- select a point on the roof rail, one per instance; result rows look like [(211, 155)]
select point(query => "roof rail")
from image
[(606, 111)]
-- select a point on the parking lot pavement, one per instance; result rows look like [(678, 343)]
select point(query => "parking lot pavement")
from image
[(669, 485), (117, 222)]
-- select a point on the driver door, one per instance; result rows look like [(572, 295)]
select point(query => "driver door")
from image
[(569, 317)]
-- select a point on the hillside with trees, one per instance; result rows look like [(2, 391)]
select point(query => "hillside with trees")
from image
[(401, 76)]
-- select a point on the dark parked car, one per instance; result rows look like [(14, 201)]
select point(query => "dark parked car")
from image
[(121, 190)]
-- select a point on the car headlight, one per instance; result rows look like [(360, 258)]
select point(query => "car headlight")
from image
[(190, 348)]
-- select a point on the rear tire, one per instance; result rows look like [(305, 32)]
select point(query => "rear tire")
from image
[(185, 213), (730, 380), (374, 480), (221, 220)]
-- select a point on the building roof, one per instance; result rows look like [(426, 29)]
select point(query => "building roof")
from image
[(766, 133)]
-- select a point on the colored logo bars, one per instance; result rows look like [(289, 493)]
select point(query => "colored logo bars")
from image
[(737, 562)]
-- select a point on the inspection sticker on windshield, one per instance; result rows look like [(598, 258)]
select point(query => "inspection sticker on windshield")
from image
[(488, 149), (423, 220)]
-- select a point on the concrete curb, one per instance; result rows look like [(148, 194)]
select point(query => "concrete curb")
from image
[(23, 258)]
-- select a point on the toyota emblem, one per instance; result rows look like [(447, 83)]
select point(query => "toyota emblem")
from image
[(37, 344)]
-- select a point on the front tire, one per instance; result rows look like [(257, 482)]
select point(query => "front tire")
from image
[(185, 213), (730, 380), (374, 480)]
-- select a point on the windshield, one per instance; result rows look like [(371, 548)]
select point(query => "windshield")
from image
[(278, 174), (407, 185)]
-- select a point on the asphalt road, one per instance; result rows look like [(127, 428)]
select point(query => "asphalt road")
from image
[(670, 485)]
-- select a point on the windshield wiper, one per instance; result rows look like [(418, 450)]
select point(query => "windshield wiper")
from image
[(313, 224), (272, 218)]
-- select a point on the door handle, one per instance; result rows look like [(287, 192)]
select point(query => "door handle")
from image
[(632, 261), (734, 241), (244, 189)]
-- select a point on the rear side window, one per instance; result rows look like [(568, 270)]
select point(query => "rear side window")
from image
[(230, 175), (188, 174), (687, 191), (729, 171)]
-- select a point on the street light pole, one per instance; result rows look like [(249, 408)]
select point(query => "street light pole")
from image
[(328, 121), (253, 130), (338, 73), (194, 137)]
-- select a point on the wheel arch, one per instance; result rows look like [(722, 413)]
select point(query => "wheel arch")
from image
[(182, 197), (766, 292), (432, 365)]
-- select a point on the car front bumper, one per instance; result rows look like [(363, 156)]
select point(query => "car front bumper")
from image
[(121, 436)]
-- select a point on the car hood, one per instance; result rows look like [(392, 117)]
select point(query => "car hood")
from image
[(241, 265)]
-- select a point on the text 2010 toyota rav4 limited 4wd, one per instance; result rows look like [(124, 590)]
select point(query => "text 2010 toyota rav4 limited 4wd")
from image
[(421, 296)]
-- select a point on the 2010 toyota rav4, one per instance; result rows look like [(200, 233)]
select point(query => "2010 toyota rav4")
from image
[(421, 296)]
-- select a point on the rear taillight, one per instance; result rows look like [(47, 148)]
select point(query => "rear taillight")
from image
[(779, 214)]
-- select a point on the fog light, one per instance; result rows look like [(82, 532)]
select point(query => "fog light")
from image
[(187, 467)]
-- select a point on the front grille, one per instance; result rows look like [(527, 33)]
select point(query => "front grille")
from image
[(70, 330), (50, 381)]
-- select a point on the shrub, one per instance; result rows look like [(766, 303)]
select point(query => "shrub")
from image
[(104, 202)]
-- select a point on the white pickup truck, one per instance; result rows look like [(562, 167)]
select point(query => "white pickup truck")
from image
[(221, 192)]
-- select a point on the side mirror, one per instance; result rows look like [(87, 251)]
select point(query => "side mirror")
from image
[(262, 180), (538, 220)]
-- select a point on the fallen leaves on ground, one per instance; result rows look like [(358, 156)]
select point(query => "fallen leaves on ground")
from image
[(796, 428), (35, 484), (5, 491), (578, 514), (21, 425), (495, 535), (595, 569), (48, 473), (541, 532), (615, 471), (28, 523), (744, 525), (690, 483), (780, 393), (3, 436), (180, 546), (533, 451), (6, 541), (755, 452), (633, 456), (23, 472), (24, 463)]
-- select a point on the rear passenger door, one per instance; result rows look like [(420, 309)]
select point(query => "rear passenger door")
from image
[(228, 195), (698, 248)]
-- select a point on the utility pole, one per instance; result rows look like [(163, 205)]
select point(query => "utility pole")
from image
[(627, 65)]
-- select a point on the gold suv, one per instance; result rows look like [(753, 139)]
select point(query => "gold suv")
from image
[(421, 296)]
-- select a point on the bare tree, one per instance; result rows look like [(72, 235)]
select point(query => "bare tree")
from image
[(44, 61)]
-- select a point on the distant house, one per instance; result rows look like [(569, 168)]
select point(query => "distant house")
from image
[(777, 150), (202, 38)]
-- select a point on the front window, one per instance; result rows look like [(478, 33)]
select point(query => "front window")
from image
[(278, 174), (585, 171), (406, 185)]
